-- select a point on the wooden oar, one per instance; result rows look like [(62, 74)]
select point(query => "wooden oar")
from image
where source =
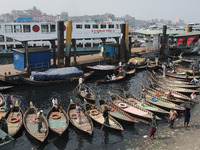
[(102, 126)]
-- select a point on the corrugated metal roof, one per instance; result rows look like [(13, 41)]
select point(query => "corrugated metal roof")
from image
[(188, 34), (157, 32), (46, 37)]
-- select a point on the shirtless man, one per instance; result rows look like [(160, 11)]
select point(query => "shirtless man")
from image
[(172, 117)]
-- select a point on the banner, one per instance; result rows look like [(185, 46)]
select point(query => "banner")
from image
[(190, 39), (180, 40)]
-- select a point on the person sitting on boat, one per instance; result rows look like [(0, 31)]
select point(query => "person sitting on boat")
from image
[(172, 67), (87, 91), (170, 96), (120, 64), (78, 113), (154, 126), (156, 60), (3, 124), (193, 96), (143, 96), (8, 101), (136, 62), (194, 80), (120, 71), (186, 75), (81, 87), (55, 103), (107, 77), (113, 77), (39, 120), (105, 115), (164, 70), (148, 61)]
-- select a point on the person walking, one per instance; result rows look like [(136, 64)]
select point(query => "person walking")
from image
[(39, 120), (186, 117), (154, 126), (172, 116), (106, 115)]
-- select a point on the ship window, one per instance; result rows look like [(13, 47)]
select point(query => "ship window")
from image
[(1, 38), (17, 28), (117, 26), (53, 28), (8, 39), (87, 26), (111, 26), (44, 28), (103, 26), (95, 26), (79, 26), (27, 28), (8, 29)]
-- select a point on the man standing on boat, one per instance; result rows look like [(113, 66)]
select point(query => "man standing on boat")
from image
[(55, 103), (156, 60), (105, 115), (143, 96), (193, 96), (8, 101), (164, 70), (78, 113), (172, 117), (39, 120), (81, 87)]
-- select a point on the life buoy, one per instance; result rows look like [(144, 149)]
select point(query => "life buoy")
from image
[(73, 116), (13, 120), (123, 105), (34, 120), (111, 109), (55, 116), (158, 94), (94, 112), (154, 99)]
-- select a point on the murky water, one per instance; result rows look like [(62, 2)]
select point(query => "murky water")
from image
[(74, 139)]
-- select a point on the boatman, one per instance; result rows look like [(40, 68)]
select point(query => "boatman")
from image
[(78, 113), (193, 96), (172, 117), (8, 101), (143, 96), (105, 115), (164, 70), (80, 81), (55, 103), (39, 120), (148, 61), (156, 60), (170, 96)]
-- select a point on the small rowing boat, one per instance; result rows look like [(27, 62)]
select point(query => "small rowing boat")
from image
[(85, 125), (57, 120), (32, 126), (97, 115), (161, 102), (2, 100), (153, 108), (177, 89), (130, 72), (85, 95), (181, 76), (162, 96), (130, 107), (116, 112), (118, 78), (14, 119), (5, 87)]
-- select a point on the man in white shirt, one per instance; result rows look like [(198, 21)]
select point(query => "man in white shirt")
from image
[(80, 82), (55, 103)]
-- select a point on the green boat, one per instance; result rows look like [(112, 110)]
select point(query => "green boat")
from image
[(7, 142)]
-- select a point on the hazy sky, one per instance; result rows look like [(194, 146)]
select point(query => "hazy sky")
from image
[(187, 10)]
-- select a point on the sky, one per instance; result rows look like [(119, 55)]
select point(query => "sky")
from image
[(140, 9)]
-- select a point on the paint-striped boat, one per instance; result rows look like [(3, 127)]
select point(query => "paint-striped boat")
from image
[(86, 124), (130, 107), (97, 115), (57, 120), (84, 95)]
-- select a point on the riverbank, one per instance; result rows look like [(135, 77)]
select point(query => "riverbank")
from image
[(179, 138)]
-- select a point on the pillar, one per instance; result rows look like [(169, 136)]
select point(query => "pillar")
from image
[(54, 52), (68, 44), (162, 49), (60, 44)]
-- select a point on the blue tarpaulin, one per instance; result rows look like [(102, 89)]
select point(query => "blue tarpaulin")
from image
[(57, 74)]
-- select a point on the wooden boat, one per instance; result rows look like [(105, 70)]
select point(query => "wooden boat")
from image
[(5, 87), (98, 117), (116, 112), (14, 119), (57, 120), (130, 72), (103, 67), (32, 127), (185, 70), (174, 84), (181, 76), (84, 95), (29, 81), (177, 89), (129, 107), (153, 108), (86, 122), (141, 60), (118, 78), (7, 141), (169, 80), (161, 102), (2, 100), (141, 67), (162, 96)]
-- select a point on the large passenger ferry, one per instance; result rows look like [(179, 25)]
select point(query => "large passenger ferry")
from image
[(38, 28)]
